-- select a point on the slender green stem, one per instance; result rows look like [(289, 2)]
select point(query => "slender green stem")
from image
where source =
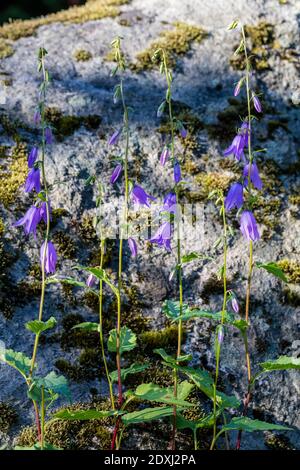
[(102, 249), (179, 268), (195, 439), (43, 419), (218, 343)]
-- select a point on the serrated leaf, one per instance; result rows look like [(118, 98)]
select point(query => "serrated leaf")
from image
[(85, 415), (127, 340), (133, 369), (148, 414), (53, 384), (87, 325), (282, 363), (17, 360), (274, 269), (251, 425), (153, 392), (37, 326)]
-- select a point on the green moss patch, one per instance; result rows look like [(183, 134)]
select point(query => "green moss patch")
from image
[(291, 269), (8, 416), (176, 42), (81, 55), (6, 49), (14, 175), (65, 126)]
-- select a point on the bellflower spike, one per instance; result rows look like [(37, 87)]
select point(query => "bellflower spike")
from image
[(33, 181), (177, 173), (257, 103), (234, 197), (30, 220), (235, 305), (43, 211), (32, 157), (91, 280), (169, 203), (140, 197), (50, 257), (37, 117), (133, 247), (116, 173), (165, 154), (254, 176), (163, 236), (248, 226), (239, 142), (48, 136), (113, 140)]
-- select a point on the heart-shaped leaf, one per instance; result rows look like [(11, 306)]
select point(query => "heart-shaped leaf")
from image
[(127, 340), (38, 326)]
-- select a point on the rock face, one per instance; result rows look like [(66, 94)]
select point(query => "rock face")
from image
[(81, 108)]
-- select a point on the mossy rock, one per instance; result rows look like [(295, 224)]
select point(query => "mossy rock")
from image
[(64, 126), (73, 435), (175, 42), (164, 338), (291, 269), (65, 245), (81, 55), (14, 175), (278, 442), (6, 50), (8, 416)]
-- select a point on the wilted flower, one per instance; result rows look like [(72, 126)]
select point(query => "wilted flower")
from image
[(234, 304), (257, 103), (50, 257), (33, 181), (116, 173), (30, 220), (37, 117), (48, 136), (163, 236), (133, 246), (169, 203), (113, 140), (177, 173), (32, 157), (254, 175), (164, 156), (248, 226), (239, 142), (140, 197), (91, 280), (234, 197), (43, 211)]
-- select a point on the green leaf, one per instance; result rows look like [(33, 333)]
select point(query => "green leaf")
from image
[(85, 415), (103, 276), (37, 326), (127, 340), (192, 256), (88, 325), (251, 425), (172, 360), (148, 414), (37, 446), (274, 269), (52, 384), (171, 309), (206, 422), (233, 25), (282, 363), (153, 392), (17, 360), (133, 369), (66, 280), (184, 389)]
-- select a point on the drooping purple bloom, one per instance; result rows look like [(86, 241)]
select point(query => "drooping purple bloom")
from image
[(254, 176), (257, 103), (116, 173), (248, 226), (50, 258), (169, 203), (32, 157), (43, 211), (183, 131), (140, 197), (133, 246), (113, 140), (37, 117), (165, 154), (235, 304), (220, 334), (48, 136), (239, 142), (33, 181), (30, 220), (91, 280), (177, 173), (162, 237), (237, 88), (234, 197)]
